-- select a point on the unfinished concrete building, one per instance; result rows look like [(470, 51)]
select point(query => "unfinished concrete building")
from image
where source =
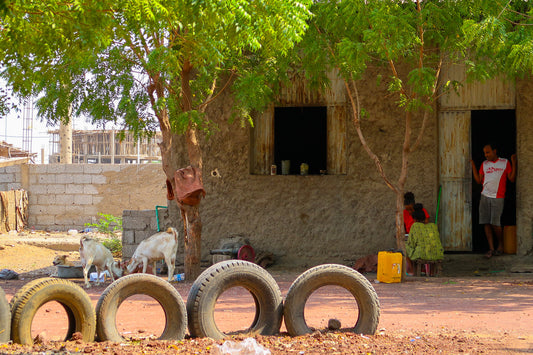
[(106, 147)]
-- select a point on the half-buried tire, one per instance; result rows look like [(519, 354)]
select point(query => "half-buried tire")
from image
[(225, 275), (140, 284), (75, 301), (5, 318), (336, 275)]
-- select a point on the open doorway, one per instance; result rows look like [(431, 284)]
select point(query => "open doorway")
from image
[(497, 127)]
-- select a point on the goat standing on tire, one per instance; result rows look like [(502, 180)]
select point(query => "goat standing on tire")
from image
[(162, 245), (94, 253)]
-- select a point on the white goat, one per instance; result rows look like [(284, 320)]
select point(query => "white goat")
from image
[(94, 253), (162, 245)]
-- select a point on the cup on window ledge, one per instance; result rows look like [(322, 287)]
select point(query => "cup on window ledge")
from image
[(304, 169), (285, 167)]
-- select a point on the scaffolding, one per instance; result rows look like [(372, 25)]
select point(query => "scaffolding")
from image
[(27, 128), (105, 147)]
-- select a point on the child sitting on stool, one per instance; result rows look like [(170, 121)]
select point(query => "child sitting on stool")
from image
[(424, 240)]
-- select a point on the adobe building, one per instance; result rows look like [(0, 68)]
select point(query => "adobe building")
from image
[(342, 209)]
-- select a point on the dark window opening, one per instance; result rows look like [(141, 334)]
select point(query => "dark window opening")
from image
[(300, 136)]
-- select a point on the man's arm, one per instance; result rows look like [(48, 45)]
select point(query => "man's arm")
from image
[(475, 172), (512, 174)]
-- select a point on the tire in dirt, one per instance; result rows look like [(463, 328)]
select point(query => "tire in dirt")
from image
[(225, 275), (75, 301), (5, 318), (140, 284), (337, 275)]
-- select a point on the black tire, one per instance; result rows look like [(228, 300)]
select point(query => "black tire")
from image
[(227, 274), (145, 284), (5, 318), (331, 274), (75, 301)]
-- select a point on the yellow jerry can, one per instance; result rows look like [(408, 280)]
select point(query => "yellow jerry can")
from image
[(389, 267)]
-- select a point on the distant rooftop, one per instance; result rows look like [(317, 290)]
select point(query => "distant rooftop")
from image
[(10, 155)]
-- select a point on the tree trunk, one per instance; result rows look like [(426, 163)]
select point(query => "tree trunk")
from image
[(193, 240), (192, 223)]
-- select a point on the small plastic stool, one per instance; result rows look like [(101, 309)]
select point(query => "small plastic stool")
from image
[(431, 267)]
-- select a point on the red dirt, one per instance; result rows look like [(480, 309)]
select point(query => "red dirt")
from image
[(485, 314), (481, 314)]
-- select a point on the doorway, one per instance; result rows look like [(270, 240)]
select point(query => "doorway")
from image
[(497, 127)]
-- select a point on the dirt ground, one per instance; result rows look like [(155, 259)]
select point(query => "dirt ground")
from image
[(482, 312)]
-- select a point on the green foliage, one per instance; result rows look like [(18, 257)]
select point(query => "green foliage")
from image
[(108, 224), (501, 40), (146, 64), (114, 244)]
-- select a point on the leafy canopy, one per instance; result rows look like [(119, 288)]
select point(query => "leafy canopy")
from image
[(490, 36), (126, 59)]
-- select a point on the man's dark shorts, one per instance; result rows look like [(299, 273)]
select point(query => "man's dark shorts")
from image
[(490, 210)]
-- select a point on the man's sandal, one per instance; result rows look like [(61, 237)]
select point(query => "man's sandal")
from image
[(489, 254)]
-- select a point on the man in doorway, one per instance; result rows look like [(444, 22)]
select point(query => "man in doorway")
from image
[(493, 175)]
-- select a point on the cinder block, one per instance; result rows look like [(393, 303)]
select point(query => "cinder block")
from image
[(83, 199), (64, 199), (136, 224), (84, 179), (127, 251), (7, 178), (111, 167), (90, 210), (47, 179), (13, 169), (46, 199), (74, 169), (37, 189), (55, 209), (39, 169), (92, 169), (56, 189), (65, 178), (45, 220), (128, 237), (74, 189), (89, 189), (56, 169), (98, 179), (142, 235), (141, 213), (97, 199)]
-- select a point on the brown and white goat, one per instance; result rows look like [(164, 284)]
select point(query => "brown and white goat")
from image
[(162, 245), (94, 253)]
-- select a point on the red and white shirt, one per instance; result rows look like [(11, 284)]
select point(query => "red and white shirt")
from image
[(494, 177)]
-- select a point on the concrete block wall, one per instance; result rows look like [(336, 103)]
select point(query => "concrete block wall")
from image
[(67, 196), (136, 227), (10, 178)]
